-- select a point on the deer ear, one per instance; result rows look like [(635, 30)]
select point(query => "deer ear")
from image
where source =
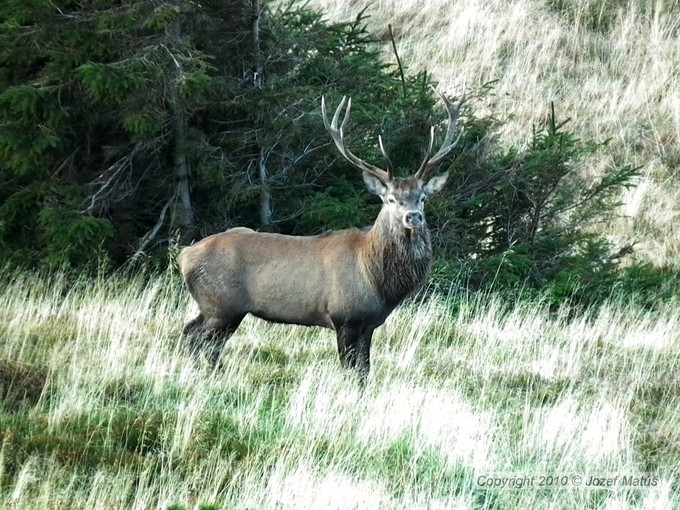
[(374, 184), (435, 184)]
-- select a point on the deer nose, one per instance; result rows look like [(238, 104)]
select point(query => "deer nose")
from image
[(413, 219)]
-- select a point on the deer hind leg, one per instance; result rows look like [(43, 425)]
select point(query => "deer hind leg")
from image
[(193, 326), (207, 337)]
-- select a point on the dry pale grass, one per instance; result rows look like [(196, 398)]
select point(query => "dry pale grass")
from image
[(464, 390)]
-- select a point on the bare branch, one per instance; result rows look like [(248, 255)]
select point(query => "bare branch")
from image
[(118, 168), (151, 235), (116, 171), (287, 168)]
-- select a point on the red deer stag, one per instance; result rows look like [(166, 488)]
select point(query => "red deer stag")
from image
[(348, 280)]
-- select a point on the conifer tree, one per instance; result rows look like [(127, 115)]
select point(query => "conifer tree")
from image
[(96, 100), (123, 126)]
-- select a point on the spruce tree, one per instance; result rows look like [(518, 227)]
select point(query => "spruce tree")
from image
[(124, 127)]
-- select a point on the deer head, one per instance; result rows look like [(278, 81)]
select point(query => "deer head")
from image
[(403, 198)]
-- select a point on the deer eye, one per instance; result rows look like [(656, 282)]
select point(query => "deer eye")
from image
[(391, 200)]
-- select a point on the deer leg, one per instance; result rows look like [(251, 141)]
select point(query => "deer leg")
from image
[(363, 355), (208, 336), (354, 347), (347, 343), (193, 332), (193, 325)]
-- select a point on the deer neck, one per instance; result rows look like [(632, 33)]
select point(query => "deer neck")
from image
[(397, 259)]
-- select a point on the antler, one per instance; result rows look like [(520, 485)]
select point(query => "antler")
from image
[(338, 137), (431, 162)]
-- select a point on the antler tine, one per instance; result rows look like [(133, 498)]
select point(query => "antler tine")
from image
[(453, 111), (387, 158), (338, 136)]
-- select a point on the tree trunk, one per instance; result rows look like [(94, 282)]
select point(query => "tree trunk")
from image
[(265, 194), (183, 214), (258, 76), (183, 217), (258, 83)]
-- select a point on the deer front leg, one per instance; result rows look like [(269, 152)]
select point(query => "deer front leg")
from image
[(363, 354), (354, 348), (348, 338)]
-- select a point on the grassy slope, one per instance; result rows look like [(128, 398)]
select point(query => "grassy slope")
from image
[(611, 66), (101, 407)]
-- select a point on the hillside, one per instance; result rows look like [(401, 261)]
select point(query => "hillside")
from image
[(612, 67)]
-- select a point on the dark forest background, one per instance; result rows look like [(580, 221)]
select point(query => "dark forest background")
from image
[(131, 128)]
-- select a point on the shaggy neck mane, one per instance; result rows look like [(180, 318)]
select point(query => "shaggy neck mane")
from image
[(397, 259)]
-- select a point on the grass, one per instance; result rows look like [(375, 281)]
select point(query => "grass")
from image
[(102, 407), (609, 66)]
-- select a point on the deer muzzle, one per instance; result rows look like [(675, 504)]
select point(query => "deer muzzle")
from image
[(413, 219)]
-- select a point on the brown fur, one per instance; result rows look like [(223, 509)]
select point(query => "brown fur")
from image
[(348, 280), (398, 260)]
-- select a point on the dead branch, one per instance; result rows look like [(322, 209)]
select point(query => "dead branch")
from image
[(151, 235)]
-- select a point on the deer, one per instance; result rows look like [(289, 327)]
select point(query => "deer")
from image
[(349, 281)]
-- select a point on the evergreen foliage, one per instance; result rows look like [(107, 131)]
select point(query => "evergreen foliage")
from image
[(527, 218), (126, 128), (108, 109)]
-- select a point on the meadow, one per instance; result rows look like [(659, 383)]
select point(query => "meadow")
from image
[(472, 403)]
